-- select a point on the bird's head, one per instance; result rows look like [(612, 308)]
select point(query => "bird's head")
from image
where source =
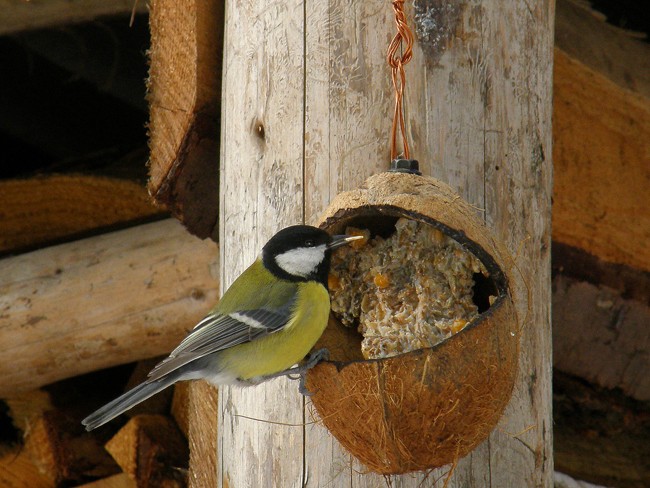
[(302, 253)]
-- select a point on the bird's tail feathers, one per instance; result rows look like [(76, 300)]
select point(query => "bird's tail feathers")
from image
[(123, 403)]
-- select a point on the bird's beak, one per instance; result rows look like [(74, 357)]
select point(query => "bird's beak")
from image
[(342, 240)]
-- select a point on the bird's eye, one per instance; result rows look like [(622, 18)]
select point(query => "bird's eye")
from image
[(310, 243)]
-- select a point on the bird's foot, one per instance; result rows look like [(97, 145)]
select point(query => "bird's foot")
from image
[(316, 357), (301, 370)]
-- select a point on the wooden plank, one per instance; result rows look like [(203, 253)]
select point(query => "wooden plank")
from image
[(630, 283), (261, 192), (151, 450), (202, 419), (180, 408), (619, 55), (184, 96), (469, 126), (24, 408), (102, 301), (601, 435), (512, 70), (62, 451), (602, 121), (602, 165), (601, 310), (121, 480), (18, 15), (18, 471), (489, 107), (45, 209), (592, 322), (348, 110)]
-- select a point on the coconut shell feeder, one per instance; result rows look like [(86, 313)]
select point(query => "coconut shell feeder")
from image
[(426, 408), (412, 403)]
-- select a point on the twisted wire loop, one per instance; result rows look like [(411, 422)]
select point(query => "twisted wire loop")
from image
[(403, 42)]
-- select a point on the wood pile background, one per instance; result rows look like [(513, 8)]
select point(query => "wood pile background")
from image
[(95, 280), (601, 257)]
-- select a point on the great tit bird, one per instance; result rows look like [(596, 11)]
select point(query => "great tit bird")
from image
[(266, 322)]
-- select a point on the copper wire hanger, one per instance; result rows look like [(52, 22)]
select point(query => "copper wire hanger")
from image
[(400, 52)]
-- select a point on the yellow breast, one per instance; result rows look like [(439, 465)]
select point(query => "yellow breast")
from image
[(281, 350)]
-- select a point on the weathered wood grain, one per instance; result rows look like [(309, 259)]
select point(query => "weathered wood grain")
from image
[(478, 115), (62, 451), (42, 210), (151, 450), (619, 55), (121, 480), (591, 323), (184, 91), (98, 302), (601, 312), (348, 110), (261, 191), (602, 174), (601, 435), (180, 408), (25, 407), (202, 414), (17, 470), (307, 104), (479, 108)]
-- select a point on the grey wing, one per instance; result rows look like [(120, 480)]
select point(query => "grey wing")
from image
[(217, 332)]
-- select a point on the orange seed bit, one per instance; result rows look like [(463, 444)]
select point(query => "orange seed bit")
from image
[(333, 282), (381, 280), (437, 237), (358, 244), (458, 325)]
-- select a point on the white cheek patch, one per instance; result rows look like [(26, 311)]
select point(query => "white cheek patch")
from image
[(301, 261)]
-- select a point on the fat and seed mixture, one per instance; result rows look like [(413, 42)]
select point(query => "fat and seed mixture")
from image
[(409, 291)]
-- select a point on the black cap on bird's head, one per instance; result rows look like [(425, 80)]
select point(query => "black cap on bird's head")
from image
[(302, 253)]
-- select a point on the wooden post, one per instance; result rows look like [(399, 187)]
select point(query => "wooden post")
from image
[(306, 113), (483, 90), (262, 190)]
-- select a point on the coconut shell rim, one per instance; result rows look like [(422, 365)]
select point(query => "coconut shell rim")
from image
[(498, 276)]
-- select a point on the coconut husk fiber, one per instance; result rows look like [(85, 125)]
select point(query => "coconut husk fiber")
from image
[(430, 407)]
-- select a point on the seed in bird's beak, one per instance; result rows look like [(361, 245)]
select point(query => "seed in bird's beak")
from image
[(342, 240)]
